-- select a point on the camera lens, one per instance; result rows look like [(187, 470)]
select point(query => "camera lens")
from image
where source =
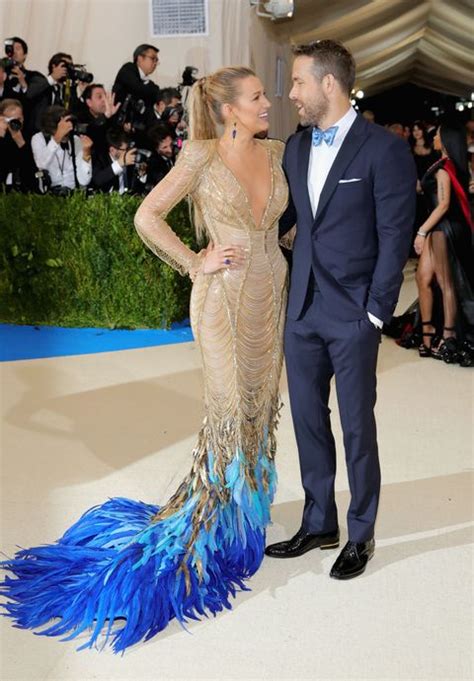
[(15, 124)]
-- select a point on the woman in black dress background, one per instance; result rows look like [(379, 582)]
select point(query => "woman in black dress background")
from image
[(445, 272), (422, 148)]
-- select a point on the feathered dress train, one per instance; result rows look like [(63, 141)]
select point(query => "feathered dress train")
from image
[(126, 568)]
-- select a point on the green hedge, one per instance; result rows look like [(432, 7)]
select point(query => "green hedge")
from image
[(78, 261)]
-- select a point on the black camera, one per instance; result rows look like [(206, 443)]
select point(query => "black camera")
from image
[(8, 62), (142, 156), (130, 112), (78, 128), (78, 72), (14, 124), (59, 190), (176, 110), (189, 75)]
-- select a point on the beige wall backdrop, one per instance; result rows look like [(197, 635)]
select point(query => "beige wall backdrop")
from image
[(103, 34), (393, 41)]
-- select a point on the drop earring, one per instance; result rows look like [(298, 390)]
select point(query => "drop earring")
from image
[(234, 132)]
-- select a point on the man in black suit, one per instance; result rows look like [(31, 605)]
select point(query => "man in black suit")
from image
[(163, 156), (113, 169), (56, 89), (17, 166), (97, 112), (134, 77), (6, 89), (21, 84), (167, 97), (352, 195)]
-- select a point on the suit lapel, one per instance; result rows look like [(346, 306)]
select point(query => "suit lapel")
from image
[(353, 141), (304, 149)]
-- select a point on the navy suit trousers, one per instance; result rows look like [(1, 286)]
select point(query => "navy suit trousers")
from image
[(317, 347)]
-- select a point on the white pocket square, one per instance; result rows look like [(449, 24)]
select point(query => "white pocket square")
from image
[(353, 179)]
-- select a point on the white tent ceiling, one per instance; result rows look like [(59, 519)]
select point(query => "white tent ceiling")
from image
[(425, 42)]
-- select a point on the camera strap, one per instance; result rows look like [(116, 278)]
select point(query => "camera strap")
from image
[(73, 158)]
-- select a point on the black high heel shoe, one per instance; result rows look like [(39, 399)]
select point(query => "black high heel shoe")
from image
[(423, 349), (448, 349)]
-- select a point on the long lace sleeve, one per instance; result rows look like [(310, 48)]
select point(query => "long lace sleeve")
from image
[(150, 218)]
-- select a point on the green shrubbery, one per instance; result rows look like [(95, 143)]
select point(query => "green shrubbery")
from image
[(78, 261)]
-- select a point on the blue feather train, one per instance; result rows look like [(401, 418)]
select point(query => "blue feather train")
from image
[(125, 563)]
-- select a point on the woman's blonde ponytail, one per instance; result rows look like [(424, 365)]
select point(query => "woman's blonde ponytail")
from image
[(207, 96), (202, 125)]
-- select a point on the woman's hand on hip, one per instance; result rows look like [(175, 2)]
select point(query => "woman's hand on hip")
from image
[(223, 257)]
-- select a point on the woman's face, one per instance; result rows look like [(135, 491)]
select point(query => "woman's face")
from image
[(437, 141), (250, 110), (417, 132)]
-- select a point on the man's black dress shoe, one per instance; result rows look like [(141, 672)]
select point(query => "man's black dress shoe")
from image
[(303, 542), (353, 559)]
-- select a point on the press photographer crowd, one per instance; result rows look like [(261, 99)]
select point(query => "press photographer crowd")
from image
[(64, 131)]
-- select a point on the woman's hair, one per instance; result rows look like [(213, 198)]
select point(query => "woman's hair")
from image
[(454, 141), (422, 127), (207, 97)]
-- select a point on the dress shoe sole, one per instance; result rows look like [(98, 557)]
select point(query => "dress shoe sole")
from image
[(323, 547), (352, 574)]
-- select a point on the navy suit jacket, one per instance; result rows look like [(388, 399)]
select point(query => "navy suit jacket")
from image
[(359, 240)]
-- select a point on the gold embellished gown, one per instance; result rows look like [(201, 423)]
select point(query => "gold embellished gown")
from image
[(140, 565)]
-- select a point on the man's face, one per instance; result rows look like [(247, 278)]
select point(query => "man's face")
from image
[(97, 103), (148, 61), (14, 112), (160, 106), (165, 147), (18, 53), (307, 93), (116, 151)]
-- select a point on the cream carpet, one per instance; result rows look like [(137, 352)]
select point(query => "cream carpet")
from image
[(77, 430)]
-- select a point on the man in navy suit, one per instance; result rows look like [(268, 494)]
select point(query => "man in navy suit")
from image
[(352, 197)]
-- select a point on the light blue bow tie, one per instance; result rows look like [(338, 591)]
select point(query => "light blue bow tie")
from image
[(326, 135)]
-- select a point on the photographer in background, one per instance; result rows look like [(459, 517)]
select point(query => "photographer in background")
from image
[(163, 156), (17, 166), (189, 77), (120, 168), (166, 97), (133, 77), (63, 86), (6, 89), (60, 151), (98, 112), (22, 81), (173, 116)]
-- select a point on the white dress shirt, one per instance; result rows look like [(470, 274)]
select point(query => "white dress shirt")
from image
[(120, 172), (143, 76), (321, 159), (58, 161)]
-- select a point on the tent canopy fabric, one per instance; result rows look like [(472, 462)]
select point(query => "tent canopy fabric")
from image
[(425, 42)]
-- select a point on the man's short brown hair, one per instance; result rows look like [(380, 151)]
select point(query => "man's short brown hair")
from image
[(330, 56)]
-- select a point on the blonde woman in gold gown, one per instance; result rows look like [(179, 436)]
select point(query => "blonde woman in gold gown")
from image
[(141, 564)]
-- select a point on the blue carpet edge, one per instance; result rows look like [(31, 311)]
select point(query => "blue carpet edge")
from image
[(22, 342)]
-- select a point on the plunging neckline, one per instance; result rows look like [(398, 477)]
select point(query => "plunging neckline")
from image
[(258, 226)]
